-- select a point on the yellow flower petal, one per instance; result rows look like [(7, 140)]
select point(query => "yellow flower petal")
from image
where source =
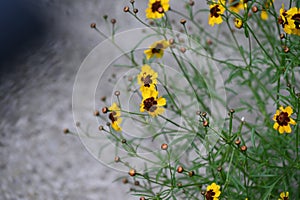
[(287, 129), (289, 110), (292, 121), (281, 129), (275, 126), (161, 101)]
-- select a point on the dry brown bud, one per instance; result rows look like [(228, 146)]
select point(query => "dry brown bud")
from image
[(132, 172), (126, 9), (254, 9), (96, 113), (219, 168), (142, 198), (192, 3), (123, 141), (191, 173), (93, 25), (137, 183), (232, 111), (164, 146), (179, 184), (66, 131), (101, 128), (244, 148), (204, 114), (171, 41), (117, 93), (282, 36), (135, 10), (179, 169), (286, 49), (132, 1), (209, 42), (205, 123), (182, 21), (113, 21), (183, 50), (125, 180), (238, 142), (103, 98), (117, 159)]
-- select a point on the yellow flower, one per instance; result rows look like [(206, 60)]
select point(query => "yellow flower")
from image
[(264, 14), (212, 192), (152, 103), (238, 23), (294, 20), (284, 196), (216, 10), (147, 78), (157, 8), (115, 117), (283, 20), (157, 49), (236, 5), (283, 120)]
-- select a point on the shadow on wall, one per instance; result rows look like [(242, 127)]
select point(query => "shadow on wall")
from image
[(21, 24)]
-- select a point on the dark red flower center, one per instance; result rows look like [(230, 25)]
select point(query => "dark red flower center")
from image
[(111, 116), (214, 11), (296, 17), (283, 119), (285, 198), (209, 195), (157, 7), (157, 48), (147, 80), (150, 104)]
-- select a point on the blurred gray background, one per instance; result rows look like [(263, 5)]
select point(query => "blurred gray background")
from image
[(42, 46)]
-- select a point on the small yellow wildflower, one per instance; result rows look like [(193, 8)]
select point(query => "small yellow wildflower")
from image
[(238, 23), (216, 10), (294, 20), (264, 14), (284, 196), (157, 8), (147, 78), (157, 49), (283, 120), (152, 103), (115, 117), (212, 192), (283, 20), (236, 5)]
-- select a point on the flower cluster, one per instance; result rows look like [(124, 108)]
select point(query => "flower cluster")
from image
[(290, 20), (147, 79)]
